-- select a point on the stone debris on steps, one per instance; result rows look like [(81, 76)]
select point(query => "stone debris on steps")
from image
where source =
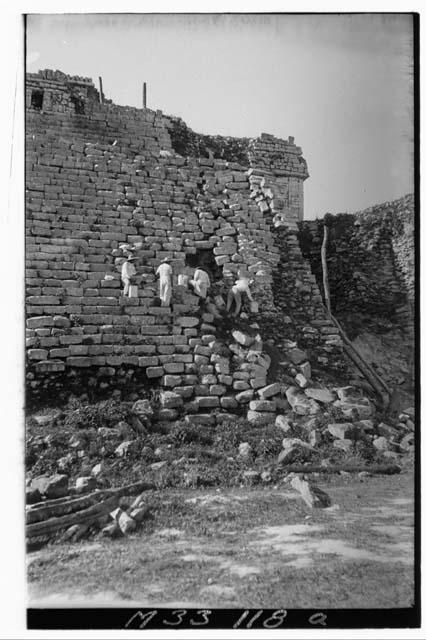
[(92, 201), (143, 198)]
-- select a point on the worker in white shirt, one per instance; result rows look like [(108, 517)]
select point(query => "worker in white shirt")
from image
[(201, 283), (164, 272), (128, 272), (241, 286)]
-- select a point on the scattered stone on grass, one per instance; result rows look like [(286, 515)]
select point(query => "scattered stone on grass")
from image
[(311, 494)]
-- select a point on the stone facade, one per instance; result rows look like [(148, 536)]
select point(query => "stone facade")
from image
[(100, 177), (370, 259)]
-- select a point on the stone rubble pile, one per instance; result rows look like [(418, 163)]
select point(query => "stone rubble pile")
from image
[(357, 424), (75, 512)]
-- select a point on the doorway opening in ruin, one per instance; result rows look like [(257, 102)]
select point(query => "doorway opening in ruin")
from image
[(78, 103), (204, 259), (37, 100)]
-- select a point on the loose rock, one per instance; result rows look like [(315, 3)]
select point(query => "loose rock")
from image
[(311, 494)]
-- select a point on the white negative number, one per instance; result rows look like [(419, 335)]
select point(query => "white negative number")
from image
[(180, 613), (318, 618), (205, 614), (275, 619)]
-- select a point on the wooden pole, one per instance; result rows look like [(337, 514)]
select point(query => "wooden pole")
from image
[(367, 371), (101, 91), (144, 95), (325, 270)]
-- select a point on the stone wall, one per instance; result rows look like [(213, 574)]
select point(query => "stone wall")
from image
[(100, 177), (370, 260)]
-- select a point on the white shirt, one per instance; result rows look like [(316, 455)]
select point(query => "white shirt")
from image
[(128, 269), (164, 270), (202, 277), (242, 285)]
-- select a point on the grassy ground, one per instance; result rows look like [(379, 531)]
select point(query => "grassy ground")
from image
[(259, 547)]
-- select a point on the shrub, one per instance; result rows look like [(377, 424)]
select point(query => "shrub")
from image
[(93, 416), (182, 433)]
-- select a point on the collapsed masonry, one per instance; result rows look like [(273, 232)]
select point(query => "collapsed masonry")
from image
[(100, 176), (370, 262)]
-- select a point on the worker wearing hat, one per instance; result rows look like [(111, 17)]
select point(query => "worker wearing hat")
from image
[(241, 287), (128, 272), (165, 272)]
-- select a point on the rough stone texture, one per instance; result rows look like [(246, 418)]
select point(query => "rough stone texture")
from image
[(55, 486), (311, 494), (370, 259), (342, 430), (259, 419), (104, 179)]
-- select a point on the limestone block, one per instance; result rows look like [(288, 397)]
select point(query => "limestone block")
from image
[(228, 402), (207, 401), (217, 390), (40, 321), (174, 367), (270, 390), (244, 396), (360, 410), (301, 380), (202, 351), (222, 367), (170, 400), (260, 419), (241, 375), (167, 415), (321, 395), (257, 383), (342, 430), (201, 389), (300, 403), (297, 356), (263, 405), (207, 328), (305, 369), (49, 366), (38, 354), (201, 419), (209, 379), (240, 385), (185, 391), (345, 444), (188, 321), (171, 381), (242, 338)]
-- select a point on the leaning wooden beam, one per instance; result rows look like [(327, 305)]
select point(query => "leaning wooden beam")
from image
[(62, 506), (385, 469), (46, 510), (367, 371), (369, 374), (52, 525), (101, 91), (325, 270)]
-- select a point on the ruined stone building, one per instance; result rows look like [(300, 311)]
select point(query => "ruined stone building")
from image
[(100, 176)]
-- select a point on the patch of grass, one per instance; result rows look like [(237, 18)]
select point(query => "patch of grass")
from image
[(134, 565)]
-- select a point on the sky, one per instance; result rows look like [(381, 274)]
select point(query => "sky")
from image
[(340, 84)]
